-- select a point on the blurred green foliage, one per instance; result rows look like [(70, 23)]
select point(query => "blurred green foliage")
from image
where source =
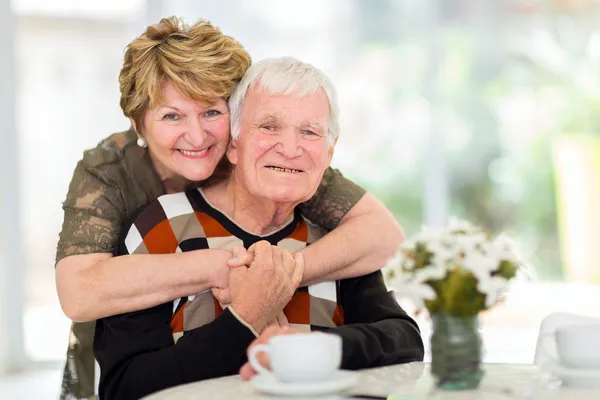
[(494, 181)]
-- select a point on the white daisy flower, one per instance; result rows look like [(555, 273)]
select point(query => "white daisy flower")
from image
[(493, 287), (458, 245)]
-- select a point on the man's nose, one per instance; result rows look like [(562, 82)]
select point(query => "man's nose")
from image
[(289, 144), (196, 133)]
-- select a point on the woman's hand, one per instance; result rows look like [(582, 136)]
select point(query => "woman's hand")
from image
[(247, 371), (220, 264), (259, 293), (240, 257)]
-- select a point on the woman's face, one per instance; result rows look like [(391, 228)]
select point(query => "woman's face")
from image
[(185, 138)]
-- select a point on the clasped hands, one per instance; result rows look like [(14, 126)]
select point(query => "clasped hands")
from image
[(262, 280)]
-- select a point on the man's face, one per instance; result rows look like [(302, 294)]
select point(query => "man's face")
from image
[(283, 146)]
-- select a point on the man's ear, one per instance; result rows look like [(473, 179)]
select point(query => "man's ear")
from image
[(232, 151), (330, 151)]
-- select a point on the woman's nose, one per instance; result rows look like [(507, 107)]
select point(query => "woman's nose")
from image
[(196, 134)]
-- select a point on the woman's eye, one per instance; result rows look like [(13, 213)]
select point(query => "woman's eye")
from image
[(171, 117), (309, 133), (268, 127), (213, 113)]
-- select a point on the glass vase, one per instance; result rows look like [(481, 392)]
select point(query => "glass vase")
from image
[(456, 352)]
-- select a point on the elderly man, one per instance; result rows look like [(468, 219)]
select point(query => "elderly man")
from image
[(284, 129)]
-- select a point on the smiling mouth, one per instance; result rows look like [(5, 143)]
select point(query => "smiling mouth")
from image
[(280, 169), (194, 153)]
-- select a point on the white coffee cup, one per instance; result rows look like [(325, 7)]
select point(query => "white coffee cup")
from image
[(300, 357), (578, 346)]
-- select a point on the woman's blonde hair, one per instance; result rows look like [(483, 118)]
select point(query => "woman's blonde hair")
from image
[(201, 62)]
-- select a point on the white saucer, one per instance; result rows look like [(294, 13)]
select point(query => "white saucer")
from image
[(575, 377), (340, 380)]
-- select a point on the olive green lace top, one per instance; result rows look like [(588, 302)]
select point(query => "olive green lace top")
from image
[(112, 183)]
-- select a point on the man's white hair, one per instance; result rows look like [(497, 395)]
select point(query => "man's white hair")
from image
[(284, 75)]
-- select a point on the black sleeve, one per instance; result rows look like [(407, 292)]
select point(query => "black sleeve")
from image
[(138, 356), (376, 330)]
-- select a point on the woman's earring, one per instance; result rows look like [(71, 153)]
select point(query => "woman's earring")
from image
[(141, 142)]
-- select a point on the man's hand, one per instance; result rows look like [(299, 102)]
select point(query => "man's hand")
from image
[(259, 293), (280, 321), (247, 372)]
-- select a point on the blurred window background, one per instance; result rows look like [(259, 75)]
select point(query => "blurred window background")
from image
[(485, 110)]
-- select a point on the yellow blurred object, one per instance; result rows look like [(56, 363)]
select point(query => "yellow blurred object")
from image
[(577, 163)]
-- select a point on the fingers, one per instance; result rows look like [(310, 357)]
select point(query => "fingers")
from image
[(223, 296), (266, 334), (263, 359), (298, 270), (277, 257), (247, 372), (278, 321), (282, 320), (241, 257), (263, 254), (220, 294), (264, 337), (289, 263), (236, 274), (274, 323)]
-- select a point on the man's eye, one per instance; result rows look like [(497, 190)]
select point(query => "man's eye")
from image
[(308, 134), (171, 117), (267, 127)]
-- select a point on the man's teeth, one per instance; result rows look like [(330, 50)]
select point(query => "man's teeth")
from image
[(193, 153), (284, 169)]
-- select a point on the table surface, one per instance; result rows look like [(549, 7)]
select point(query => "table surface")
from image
[(405, 382)]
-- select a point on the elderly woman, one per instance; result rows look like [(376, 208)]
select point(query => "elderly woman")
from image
[(284, 129), (175, 83)]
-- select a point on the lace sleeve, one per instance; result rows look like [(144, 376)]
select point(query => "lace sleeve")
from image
[(92, 216), (335, 196)]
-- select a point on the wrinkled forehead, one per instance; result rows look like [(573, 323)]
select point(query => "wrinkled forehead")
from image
[(311, 106), (284, 85)]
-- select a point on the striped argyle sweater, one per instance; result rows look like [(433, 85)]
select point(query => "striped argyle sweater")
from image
[(183, 222)]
